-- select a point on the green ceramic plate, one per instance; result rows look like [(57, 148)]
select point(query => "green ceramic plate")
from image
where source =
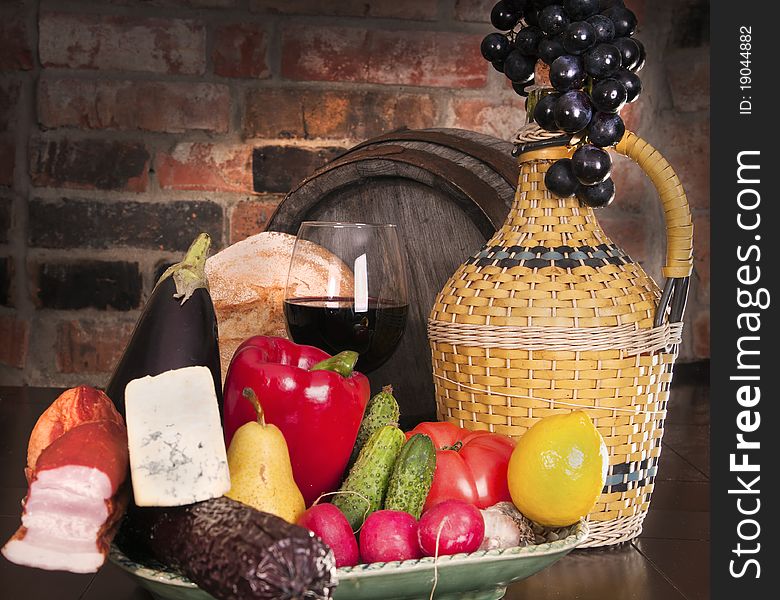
[(477, 576)]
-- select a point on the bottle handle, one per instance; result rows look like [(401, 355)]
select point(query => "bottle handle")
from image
[(679, 226)]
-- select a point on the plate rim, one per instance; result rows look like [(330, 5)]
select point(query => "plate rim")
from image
[(574, 539)]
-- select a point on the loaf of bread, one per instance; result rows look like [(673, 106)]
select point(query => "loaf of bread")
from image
[(247, 282)]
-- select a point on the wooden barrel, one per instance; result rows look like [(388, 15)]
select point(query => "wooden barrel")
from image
[(447, 191)]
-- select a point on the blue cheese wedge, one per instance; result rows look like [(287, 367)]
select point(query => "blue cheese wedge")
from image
[(177, 449)]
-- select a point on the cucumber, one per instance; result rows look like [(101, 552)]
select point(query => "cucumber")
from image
[(412, 476), (370, 475), (382, 410)]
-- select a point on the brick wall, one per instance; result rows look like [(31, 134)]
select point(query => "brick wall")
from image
[(126, 127)]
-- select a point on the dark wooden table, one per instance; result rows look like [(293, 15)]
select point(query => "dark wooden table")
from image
[(669, 561)]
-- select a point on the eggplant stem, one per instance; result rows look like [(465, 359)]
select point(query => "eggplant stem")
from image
[(250, 395), (190, 274)]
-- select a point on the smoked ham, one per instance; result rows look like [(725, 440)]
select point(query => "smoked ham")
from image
[(76, 406), (77, 492)]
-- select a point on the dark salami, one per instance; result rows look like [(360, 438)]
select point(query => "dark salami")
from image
[(233, 551)]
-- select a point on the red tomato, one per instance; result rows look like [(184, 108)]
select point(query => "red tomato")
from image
[(442, 433), (452, 480), (470, 465)]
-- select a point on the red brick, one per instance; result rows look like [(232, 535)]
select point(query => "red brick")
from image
[(701, 254), (16, 51), (701, 335), (206, 167), (240, 51), (426, 58), (122, 43), (89, 164), (500, 118), (295, 113), (15, 334), (474, 10), (251, 216), (632, 115), (9, 99), (165, 106), (395, 9), (89, 346), (7, 160)]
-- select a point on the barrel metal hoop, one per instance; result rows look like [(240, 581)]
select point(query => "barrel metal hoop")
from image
[(485, 196), (502, 163)]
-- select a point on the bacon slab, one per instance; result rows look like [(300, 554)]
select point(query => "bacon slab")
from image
[(77, 492)]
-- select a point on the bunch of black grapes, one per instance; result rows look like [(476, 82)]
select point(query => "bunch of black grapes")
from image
[(593, 62)]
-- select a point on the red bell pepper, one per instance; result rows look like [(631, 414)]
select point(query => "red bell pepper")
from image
[(470, 465), (316, 400)]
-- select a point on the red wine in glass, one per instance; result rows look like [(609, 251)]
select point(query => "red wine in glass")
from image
[(334, 324), (362, 302)]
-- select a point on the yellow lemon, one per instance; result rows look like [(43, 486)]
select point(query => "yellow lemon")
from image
[(558, 469)]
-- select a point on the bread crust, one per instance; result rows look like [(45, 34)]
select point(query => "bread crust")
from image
[(247, 283)]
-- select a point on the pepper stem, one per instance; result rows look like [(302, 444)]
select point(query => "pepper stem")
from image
[(190, 274), (456, 446), (342, 363), (250, 395)]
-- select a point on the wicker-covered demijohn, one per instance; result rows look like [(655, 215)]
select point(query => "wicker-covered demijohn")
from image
[(551, 316)]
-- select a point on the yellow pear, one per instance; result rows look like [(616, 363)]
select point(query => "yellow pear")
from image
[(260, 472)]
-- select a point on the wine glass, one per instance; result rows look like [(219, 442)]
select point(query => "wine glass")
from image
[(362, 302)]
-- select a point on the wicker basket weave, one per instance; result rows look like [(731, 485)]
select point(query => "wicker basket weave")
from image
[(551, 316)]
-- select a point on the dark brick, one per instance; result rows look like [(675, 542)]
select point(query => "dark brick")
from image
[(279, 168), (6, 276), (691, 25), (9, 99), (7, 161), (16, 51), (5, 219), (89, 164), (87, 284), (95, 224), (688, 73)]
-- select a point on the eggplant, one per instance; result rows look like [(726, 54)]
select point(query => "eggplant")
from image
[(232, 551), (177, 328)]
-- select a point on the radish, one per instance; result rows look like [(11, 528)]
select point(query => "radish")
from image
[(331, 526), (453, 526), (389, 535)]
